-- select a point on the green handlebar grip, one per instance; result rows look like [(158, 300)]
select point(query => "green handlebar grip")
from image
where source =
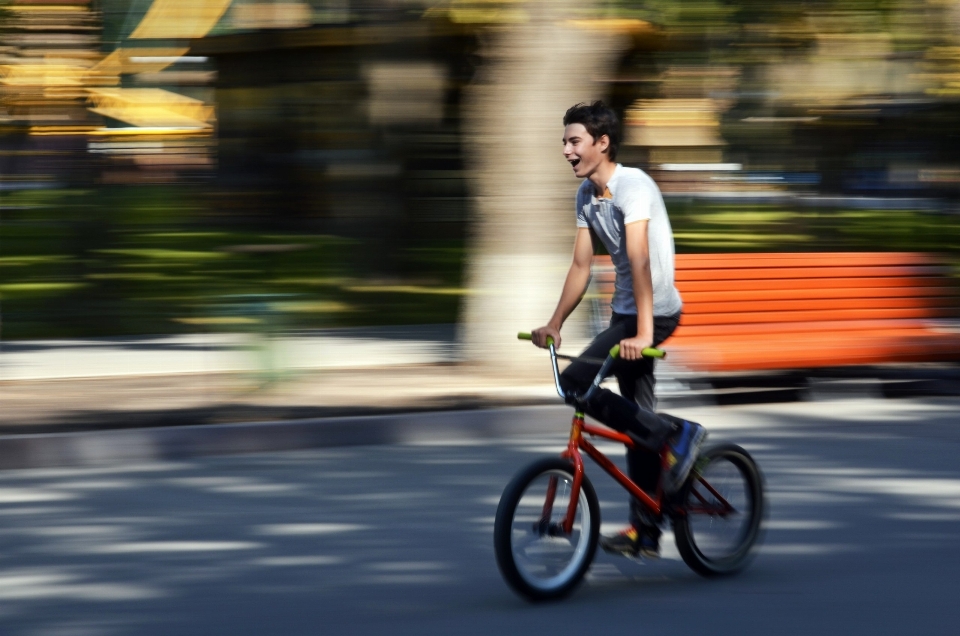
[(527, 336), (649, 352)]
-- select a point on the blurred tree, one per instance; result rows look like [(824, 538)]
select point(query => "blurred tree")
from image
[(537, 63)]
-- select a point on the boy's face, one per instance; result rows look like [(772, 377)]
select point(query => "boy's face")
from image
[(583, 152)]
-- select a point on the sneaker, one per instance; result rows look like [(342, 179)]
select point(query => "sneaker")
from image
[(681, 454), (632, 542)]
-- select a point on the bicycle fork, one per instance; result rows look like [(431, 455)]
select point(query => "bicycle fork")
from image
[(572, 453)]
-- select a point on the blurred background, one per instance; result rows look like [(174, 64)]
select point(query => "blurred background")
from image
[(211, 167)]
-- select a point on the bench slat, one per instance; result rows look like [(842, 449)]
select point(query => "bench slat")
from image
[(767, 307), (701, 298), (809, 339), (687, 287), (786, 273), (825, 259), (689, 332), (815, 315)]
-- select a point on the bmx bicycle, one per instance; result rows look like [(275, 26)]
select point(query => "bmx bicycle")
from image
[(548, 521)]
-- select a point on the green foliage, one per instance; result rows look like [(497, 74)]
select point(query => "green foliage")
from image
[(153, 260)]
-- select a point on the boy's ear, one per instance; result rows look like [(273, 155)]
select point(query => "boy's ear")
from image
[(604, 142)]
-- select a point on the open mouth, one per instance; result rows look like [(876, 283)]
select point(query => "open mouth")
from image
[(574, 162)]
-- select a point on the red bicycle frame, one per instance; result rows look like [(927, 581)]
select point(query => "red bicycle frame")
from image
[(653, 503)]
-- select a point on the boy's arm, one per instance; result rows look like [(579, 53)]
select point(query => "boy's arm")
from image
[(638, 251), (578, 277)]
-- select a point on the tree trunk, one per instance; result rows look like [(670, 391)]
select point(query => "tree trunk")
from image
[(522, 188)]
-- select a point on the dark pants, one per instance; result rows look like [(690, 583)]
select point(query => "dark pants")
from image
[(634, 412)]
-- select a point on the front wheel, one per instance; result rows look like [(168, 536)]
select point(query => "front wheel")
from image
[(718, 521), (538, 558)]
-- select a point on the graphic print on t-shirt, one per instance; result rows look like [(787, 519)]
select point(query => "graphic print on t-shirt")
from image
[(611, 230)]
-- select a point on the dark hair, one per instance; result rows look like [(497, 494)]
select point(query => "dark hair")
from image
[(599, 120)]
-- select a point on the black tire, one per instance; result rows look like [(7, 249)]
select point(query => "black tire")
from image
[(535, 557), (716, 539)]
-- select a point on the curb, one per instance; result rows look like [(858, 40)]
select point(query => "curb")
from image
[(99, 448), (171, 443)]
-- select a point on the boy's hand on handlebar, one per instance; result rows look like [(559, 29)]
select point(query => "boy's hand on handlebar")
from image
[(632, 348), (539, 336)]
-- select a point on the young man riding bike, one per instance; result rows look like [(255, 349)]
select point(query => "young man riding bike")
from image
[(623, 208)]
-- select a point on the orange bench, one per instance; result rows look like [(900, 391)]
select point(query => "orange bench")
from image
[(794, 311)]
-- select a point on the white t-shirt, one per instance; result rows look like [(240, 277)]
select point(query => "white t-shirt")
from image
[(635, 198)]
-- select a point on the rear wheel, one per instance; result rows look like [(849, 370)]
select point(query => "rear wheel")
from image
[(537, 557), (718, 522)]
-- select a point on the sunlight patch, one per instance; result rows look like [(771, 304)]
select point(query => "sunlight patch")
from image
[(309, 529), (801, 524), (757, 447), (61, 473), (801, 496), (924, 516), (408, 566), (39, 511), (846, 472), (452, 462), (75, 531), (255, 489), (941, 491), (453, 442), (600, 573), (139, 547), (482, 524), (541, 450), (28, 585), (296, 561), (407, 579), (98, 484), (385, 496), (30, 495), (351, 474), (800, 549), (232, 485)]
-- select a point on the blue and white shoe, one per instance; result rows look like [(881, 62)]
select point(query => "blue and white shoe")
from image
[(682, 452)]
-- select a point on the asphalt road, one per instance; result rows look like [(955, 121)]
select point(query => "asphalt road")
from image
[(862, 538)]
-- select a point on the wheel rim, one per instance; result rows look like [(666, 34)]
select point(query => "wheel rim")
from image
[(547, 560), (720, 510)]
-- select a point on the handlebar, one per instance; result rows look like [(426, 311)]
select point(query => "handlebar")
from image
[(648, 352)]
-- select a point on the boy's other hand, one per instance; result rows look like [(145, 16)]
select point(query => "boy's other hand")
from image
[(632, 348), (539, 336)]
